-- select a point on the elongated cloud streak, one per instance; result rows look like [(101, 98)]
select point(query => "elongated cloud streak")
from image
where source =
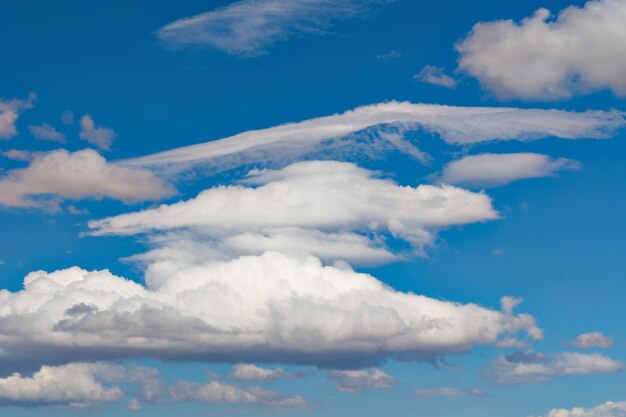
[(380, 128)]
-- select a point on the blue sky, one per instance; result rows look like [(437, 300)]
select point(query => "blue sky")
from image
[(374, 188)]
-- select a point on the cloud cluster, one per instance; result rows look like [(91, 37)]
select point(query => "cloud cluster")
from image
[(372, 130), (311, 207), (608, 409), (102, 137), (249, 27), (358, 380), (268, 308), (9, 113), (529, 367), (489, 170), (75, 175), (447, 392), (581, 51)]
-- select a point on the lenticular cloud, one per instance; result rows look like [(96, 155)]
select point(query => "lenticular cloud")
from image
[(255, 308)]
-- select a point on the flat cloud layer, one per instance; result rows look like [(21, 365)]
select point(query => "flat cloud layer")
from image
[(268, 308), (378, 128), (581, 51), (488, 170), (608, 409), (82, 174), (249, 27), (311, 207)]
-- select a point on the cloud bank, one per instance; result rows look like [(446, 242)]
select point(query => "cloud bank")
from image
[(250, 27), (579, 52), (608, 409)]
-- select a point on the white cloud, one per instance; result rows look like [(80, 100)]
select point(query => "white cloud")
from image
[(220, 392), (608, 409), (523, 367), (9, 113), (389, 55), (250, 372), (490, 170), (268, 308), (81, 174), (250, 27), (580, 51), (358, 380), (312, 207), (447, 392), (592, 340), (371, 130), (18, 155), (102, 137), (46, 132), (435, 75), (72, 385)]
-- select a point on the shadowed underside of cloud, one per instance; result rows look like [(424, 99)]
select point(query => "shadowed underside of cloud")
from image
[(580, 51), (250, 27), (608, 409), (379, 128)]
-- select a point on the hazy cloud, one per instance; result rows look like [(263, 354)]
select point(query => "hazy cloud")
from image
[(358, 380), (9, 112), (592, 340), (435, 75), (102, 137), (447, 392), (46, 132)]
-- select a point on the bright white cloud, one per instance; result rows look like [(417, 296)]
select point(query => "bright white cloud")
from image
[(489, 170), (372, 130), (522, 367), (73, 385), (447, 392), (81, 174), (268, 308), (9, 112), (592, 340), (102, 137), (608, 409), (435, 75), (220, 392), (580, 51), (46, 132), (358, 380), (312, 207), (250, 27), (250, 372)]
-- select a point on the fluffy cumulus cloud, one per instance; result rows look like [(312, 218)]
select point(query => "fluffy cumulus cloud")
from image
[(45, 131), (220, 392), (608, 409), (579, 51), (73, 175), (447, 392), (102, 137), (528, 367), (250, 372), (375, 129), (358, 380), (435, 75), (9, 112), (592, 340), (250, 27), (488, 170), (312, 207), (268, 308), (74, 385)]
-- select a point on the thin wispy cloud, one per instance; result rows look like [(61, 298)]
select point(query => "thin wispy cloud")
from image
[(45, 131), (10, 110), (251, 27), (380, 128), (100, 136), (447, 392), (436, 76)]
